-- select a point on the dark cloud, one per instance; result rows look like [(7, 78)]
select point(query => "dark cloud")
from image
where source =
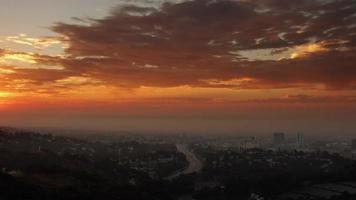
[(334, 69), (191, 42)]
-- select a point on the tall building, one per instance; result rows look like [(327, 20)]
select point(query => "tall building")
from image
[(353, 144), (278, 138), (300, 140)]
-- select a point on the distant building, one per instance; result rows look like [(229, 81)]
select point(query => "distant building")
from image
[(353, 144), (300, 140), (278, 138)]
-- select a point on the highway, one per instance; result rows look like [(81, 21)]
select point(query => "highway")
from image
[(195, 165)]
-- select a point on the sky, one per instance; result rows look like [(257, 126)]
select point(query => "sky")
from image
[(217, 66)]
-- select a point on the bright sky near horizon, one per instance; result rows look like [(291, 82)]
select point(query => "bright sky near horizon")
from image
[(207, 63)]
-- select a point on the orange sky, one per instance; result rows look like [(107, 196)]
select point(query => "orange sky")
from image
[(204, 60)]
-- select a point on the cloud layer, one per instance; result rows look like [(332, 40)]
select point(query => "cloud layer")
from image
[(239, 44)]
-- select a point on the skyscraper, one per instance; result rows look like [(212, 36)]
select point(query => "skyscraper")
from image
[(300, 140)]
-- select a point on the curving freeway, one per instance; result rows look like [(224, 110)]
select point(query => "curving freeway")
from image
[(195, 165)]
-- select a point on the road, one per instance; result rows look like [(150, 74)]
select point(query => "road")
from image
[(195, 165)]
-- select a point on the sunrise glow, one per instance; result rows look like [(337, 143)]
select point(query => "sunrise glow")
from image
[(135, 57)]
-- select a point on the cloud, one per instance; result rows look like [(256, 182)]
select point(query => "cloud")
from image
[(194, 41), (240, 44), (37, 43)]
